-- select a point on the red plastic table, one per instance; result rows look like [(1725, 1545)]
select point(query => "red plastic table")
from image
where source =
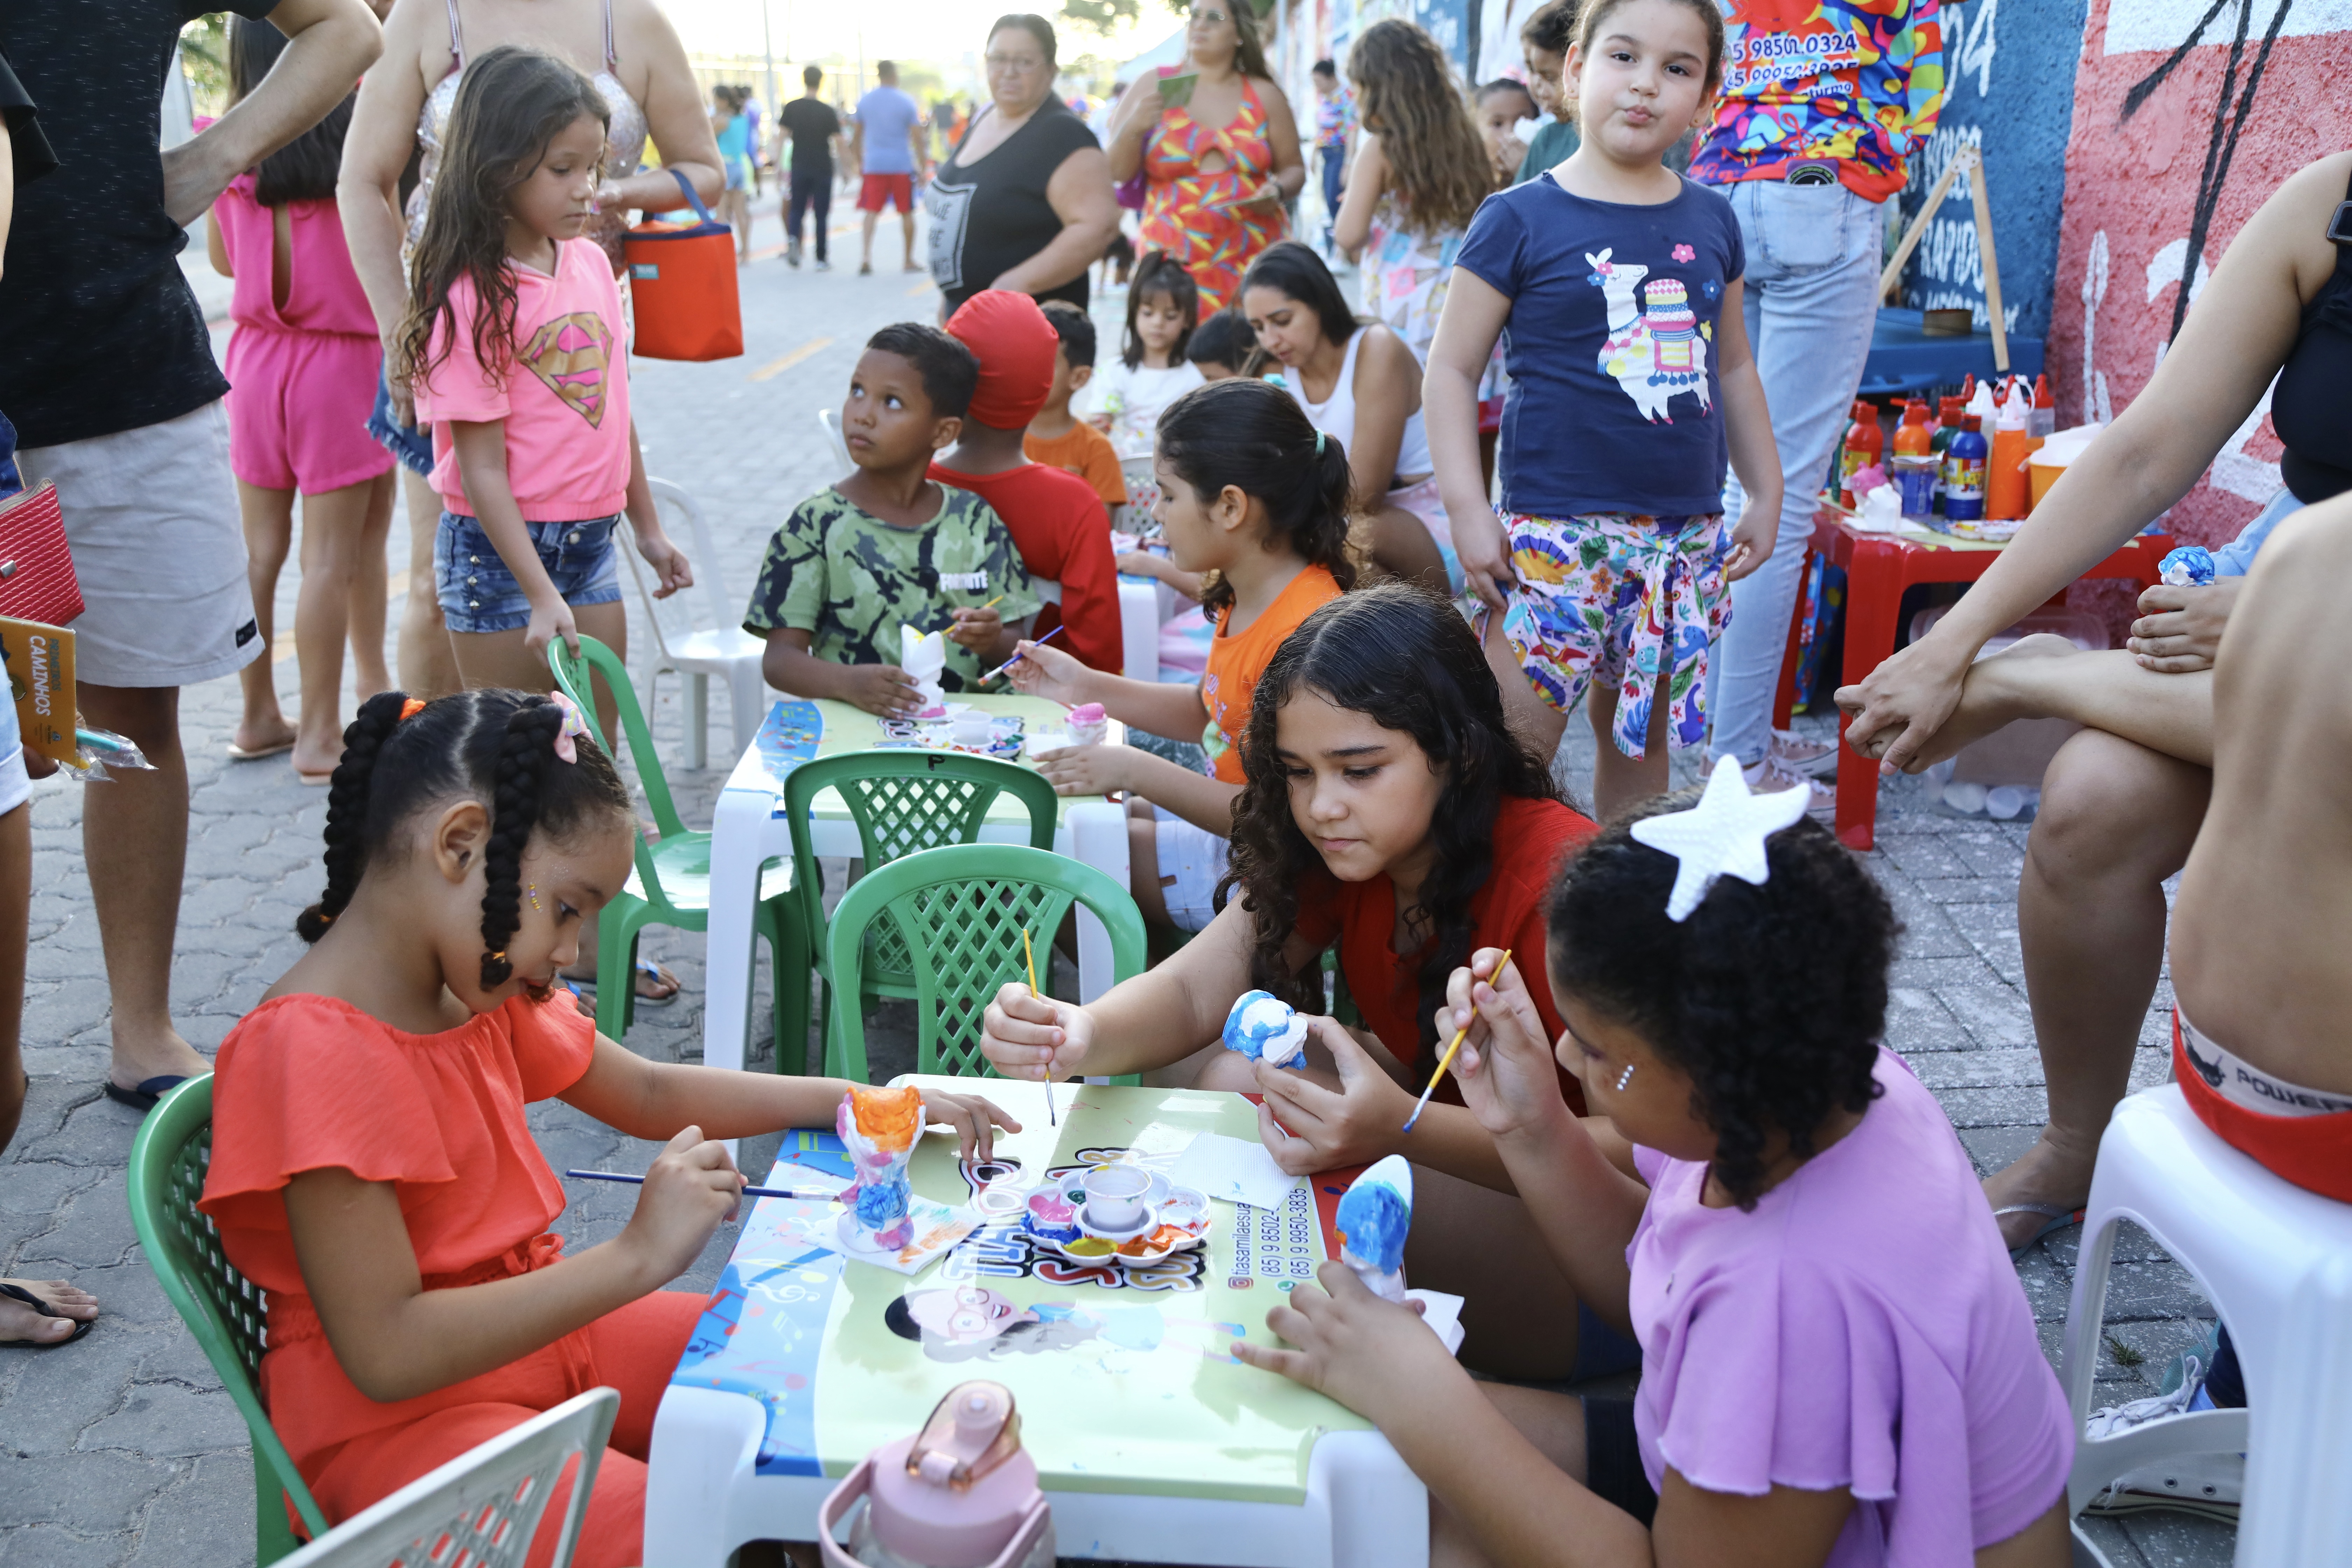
[(1878, 567)]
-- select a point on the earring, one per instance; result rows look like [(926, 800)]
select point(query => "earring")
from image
[(1625, 1078), (534, 895)]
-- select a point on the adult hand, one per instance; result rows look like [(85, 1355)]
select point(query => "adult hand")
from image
[(1900, 706), (1035, 1038), (1087, 770), (1752, 538), (192, 182), (1505, 1066), (975, 1118), (1045, 670), (1485, 551), (404, 398), (1352, 1124), (548, 621), (2179, 629), (881, 688), (672, 571), (1370, 1354), (977, 629), (689, 1188)]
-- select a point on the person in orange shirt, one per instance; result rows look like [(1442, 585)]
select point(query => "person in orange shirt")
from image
[(1055, 518), (1058, 439), (372, 1167), (1253, 493)]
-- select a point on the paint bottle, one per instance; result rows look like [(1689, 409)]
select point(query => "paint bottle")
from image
[(1964, 472), (959, 1494), (1913, 464), (2041, 422), (1866, 446), (2005, 477), (1948, 425)]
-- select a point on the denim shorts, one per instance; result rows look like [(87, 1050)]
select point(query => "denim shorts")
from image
[(478, 594), (412, 446)]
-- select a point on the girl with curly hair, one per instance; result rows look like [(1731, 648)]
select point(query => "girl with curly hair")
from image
[(371, 1166), (1839, 1366), (1254, 504), (1388, 813)]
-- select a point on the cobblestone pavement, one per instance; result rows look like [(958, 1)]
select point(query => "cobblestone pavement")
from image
[(124, 1448)]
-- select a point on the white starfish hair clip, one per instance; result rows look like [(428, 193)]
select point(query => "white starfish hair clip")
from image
[(1722, 835)]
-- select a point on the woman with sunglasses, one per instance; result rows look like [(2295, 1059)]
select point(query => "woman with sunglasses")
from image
[(1218, 148), (1025, 201)]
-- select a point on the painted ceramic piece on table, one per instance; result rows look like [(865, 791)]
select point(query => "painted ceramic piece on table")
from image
[(1264, 1028), (881, 1127), (1375, 1213)]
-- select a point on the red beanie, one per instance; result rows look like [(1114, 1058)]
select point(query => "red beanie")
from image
[(1015, 344)]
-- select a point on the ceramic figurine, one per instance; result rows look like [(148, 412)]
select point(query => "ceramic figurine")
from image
[(924, 656), (2190, 566), (1088, 725), (1375, 1213), (880, 1126), (1267, 1029)]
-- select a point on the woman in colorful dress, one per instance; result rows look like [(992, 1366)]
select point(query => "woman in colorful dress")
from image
[(1420, 173), (1220, 160)]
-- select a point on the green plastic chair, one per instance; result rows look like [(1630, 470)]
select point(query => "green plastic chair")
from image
[(902, 802), (222, 1308), (671, 886), (961, 911)]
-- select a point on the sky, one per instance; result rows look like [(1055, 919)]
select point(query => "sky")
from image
[(941, 31)]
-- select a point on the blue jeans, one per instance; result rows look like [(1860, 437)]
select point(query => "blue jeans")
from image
[(1810, 302), (412, 446), (478, 594), (1335, 164), (811, 194)]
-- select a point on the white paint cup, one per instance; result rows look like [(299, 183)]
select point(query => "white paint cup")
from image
[(1115, 1196), (970, 729)]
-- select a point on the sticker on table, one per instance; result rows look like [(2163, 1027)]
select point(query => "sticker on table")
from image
[(788, 737), (818, 1149), (1004, 1249), (761, 1331), (963, 1321), (1282, 1245)]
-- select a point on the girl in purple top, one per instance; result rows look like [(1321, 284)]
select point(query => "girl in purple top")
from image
[(1838, 1366)]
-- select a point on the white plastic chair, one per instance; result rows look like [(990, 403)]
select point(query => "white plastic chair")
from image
[(699, 646), (2276, 1262), (829, 421), (482, 1508)]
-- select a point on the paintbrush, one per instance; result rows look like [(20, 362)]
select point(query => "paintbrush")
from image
[(1030, 958), (1017, 657), (1447, 1059), (809, 1194)]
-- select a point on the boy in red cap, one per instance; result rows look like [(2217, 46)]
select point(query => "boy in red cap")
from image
[(1055, 518)]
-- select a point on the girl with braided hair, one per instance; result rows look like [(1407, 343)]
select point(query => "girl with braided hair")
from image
[(372, 1168)]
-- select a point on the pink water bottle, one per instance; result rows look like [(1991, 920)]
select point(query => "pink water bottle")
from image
[(961, 1493)]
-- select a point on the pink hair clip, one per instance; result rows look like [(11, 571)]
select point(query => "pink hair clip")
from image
[(575, 722)]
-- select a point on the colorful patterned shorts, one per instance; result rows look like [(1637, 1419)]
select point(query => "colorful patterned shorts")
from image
[(1619, 596)]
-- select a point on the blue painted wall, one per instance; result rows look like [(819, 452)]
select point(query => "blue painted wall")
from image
[(2010, 71)]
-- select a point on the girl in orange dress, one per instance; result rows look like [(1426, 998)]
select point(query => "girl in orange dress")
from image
[(1219, 165), (372, 1167)]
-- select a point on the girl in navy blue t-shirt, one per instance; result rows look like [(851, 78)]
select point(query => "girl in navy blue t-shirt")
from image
[(1613, 283)]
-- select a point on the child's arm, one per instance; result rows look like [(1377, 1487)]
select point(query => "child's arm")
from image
[(1144, 563), (216, 243), (1353, 223), (672, 571), (788, 666), (1466, 330), (1199, 799), (1748, 428), (985, 633), (481, 448), (1163, 708)]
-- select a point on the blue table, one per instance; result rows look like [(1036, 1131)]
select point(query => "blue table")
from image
[(1904, 358)]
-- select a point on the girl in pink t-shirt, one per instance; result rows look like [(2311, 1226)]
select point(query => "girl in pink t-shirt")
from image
[(516, 346), (1838, 1364)]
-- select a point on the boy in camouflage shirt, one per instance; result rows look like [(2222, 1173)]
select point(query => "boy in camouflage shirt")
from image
[(886, 546)]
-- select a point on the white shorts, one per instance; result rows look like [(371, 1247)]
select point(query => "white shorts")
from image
[(1192, 861), (152, 520), (16, 784)]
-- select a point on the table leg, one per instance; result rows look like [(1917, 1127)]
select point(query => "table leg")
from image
[(705, 1446), (1874, 600), (1097, 836), (1379, 1508), (1784, 701), (735, 832)]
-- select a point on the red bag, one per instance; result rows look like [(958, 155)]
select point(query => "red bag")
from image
[(682, 281), (37, 571)]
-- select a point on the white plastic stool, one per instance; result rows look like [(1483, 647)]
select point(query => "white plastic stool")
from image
[(699, 646), (2276, 1262)]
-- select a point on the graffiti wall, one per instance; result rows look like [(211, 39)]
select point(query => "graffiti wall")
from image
[(2186, 114)]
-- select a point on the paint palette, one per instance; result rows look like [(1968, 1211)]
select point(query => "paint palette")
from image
[(1175, 1219)]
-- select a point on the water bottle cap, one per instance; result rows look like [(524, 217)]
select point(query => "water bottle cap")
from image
[(954, 1495)]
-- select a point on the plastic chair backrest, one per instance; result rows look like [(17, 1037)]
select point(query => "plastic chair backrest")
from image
[(904, 801), (571, 675), (961, 911), (482, 1508), (719, 609), (829, 421), (224, 1310)]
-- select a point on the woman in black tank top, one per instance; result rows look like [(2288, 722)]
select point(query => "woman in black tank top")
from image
[(1032, 207), (2311, 408)]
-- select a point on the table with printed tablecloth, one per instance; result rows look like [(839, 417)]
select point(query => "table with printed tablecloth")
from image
[(1152, 1444), (748, 830)]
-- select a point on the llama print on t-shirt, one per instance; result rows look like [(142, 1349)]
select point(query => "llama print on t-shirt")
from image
[(1656, 346), (571, 354)]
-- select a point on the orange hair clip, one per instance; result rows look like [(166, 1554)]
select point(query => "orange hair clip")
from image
[(411, 708)]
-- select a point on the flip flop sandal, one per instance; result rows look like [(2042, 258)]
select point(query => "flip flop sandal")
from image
[(142, 1099), (2059, 1218), (239, 754), (18, 1293), (585, 987)]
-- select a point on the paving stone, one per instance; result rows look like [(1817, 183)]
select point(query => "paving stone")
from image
[(59, 1394), (206, 1521), (86, 1493), (165, 1419), (52, 1547)]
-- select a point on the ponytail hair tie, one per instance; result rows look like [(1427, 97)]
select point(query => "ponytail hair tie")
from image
[(575, 723), (411, 708), (1318, 443)]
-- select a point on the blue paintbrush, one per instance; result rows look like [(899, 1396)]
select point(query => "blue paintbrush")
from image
[(807, 1194)]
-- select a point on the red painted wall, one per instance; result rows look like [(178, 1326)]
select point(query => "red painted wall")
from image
[(2135, 187)]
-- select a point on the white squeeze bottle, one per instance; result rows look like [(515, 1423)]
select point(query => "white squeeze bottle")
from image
[(961, 1493)]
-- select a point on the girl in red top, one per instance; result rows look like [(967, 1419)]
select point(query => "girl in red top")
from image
[(1390, 810), (372, 1168)]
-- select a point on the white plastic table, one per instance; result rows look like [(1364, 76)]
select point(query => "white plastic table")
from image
[(748, 830), (1152, 1446)]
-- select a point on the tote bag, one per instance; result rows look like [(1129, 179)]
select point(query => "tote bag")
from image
[(682, 283), (36, 569)]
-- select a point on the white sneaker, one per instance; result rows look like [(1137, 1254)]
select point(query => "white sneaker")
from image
[(1799, 753), (1769, 777), (2212, 1485)]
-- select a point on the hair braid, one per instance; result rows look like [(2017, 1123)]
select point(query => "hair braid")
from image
[(347, 810), (521, 767)]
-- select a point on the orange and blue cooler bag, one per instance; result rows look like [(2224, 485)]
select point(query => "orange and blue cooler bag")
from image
[(682, 286)]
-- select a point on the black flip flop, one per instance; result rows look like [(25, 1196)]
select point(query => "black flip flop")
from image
[(17, 1292), (142, 1099)]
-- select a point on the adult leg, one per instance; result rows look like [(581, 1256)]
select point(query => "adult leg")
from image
[(1812, 273), (906, 233), (268, 519), (365, 607), (2116, 819), (1618, 780), (794, 207), (332, 525), (821, 209), (868, 217), (15, 917), (2046, 677), (428, 663)]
